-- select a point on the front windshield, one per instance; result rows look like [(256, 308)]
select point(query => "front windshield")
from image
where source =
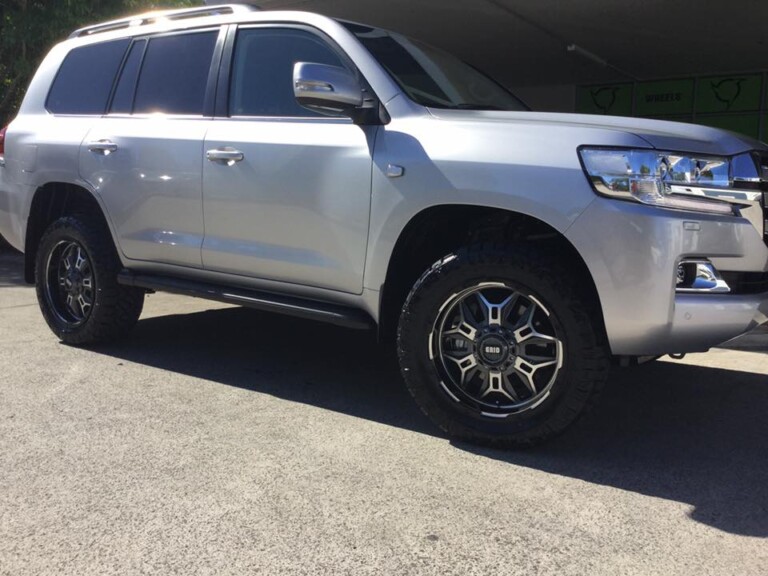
[(431, 77)]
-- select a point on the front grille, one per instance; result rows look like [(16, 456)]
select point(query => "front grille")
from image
[(746, 282), (763, 160)]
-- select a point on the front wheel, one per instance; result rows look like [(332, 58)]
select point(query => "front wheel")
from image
[(498, 346), (76, 276)]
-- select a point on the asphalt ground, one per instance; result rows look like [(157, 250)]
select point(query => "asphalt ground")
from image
[(218, 440)]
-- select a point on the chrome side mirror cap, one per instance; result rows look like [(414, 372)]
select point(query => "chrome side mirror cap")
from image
[(326, 89)]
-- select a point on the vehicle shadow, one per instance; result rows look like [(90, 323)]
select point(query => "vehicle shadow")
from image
[(690, 434), (754, 341), (302, 361), (686, 433)]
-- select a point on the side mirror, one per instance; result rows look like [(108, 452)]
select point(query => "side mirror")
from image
[(326, 89)]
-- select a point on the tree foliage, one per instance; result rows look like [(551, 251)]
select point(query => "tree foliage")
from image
[(29, 28)]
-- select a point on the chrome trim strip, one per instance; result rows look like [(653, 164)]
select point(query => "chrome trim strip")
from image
[(706, 279), (730, 195)]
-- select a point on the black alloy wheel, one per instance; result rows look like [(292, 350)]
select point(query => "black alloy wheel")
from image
[(502, 344), (76, 268)]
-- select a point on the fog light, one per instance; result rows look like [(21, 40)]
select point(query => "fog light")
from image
[(699, 276)]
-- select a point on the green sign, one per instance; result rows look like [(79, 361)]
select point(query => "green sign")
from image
[(737, 93), (748, 124), (731, 102), (615, 99), (664, 98)]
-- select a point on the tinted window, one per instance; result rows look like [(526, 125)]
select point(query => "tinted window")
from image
[(85, 78), (402, 65), (122, 101), (174, 74), (432, 77), (262, 70)]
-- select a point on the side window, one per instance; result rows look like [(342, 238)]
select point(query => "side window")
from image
[(174, 74), (122, 101), (85, 79), (262, 70)]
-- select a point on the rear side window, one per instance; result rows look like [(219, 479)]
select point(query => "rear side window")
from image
[(174, 74), (85, 78)]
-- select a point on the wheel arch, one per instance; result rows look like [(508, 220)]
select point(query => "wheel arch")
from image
[(440, 229), (50, 202)]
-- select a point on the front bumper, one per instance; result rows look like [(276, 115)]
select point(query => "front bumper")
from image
[(633, 252), (703, 321)]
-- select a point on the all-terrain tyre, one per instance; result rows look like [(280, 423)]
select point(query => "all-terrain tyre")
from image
[(500, 345), (76, 270)]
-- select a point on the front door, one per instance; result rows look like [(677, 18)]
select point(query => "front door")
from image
[(286, 191)]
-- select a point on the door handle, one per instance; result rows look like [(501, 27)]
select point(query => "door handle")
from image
[(226, 155), (103, 147)]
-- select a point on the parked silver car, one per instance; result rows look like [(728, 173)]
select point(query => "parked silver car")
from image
[(339, 172)]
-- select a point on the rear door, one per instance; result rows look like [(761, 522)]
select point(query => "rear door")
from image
[(145, 157), (293, 206), (45, 147)]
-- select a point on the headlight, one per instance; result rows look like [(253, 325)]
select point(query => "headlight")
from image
[(667, 179)]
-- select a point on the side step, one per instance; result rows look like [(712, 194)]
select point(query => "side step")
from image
[(290, 305)]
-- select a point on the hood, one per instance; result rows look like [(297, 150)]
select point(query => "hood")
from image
[(660, 134)]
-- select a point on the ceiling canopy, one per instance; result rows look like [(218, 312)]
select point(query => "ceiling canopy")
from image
[(525, 43)]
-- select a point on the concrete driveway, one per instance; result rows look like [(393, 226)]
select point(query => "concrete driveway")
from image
[(219, 440)]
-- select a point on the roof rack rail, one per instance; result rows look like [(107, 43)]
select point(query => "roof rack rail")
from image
[(152, 17)]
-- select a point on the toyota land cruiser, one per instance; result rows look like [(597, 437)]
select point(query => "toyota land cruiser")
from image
[(295, 163)]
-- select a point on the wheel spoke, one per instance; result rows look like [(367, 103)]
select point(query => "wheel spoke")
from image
[(495, 384), (80, 259), (84, 305), (495, 313), (537, 339), (463, 331), (527, 370), (466, 364), (88, 282), (525, 332)]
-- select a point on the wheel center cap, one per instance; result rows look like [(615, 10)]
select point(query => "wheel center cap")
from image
[(493, 350)]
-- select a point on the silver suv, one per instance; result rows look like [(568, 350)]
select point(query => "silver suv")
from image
[(338, 172)]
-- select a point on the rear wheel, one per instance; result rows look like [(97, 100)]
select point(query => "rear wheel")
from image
[(76, 275), (498, 346)]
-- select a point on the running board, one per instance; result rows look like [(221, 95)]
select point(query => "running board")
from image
[(290, 305)]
